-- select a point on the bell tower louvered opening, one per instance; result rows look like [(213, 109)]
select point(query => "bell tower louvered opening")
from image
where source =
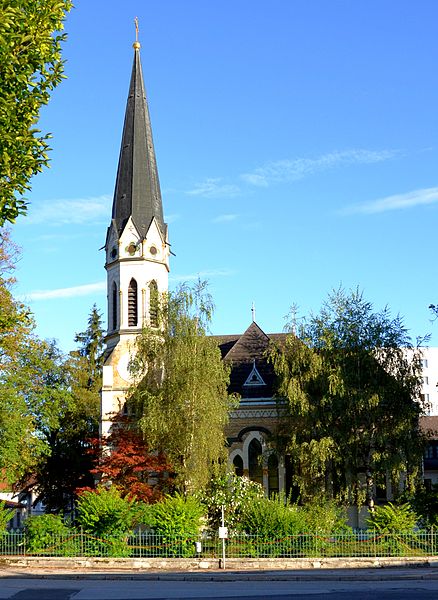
[(153, 304), (132, 304)]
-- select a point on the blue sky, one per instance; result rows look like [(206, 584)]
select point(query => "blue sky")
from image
[(297, 148)]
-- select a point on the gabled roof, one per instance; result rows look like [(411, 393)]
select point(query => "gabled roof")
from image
[(137, 191), (249, 345), (244, 353)]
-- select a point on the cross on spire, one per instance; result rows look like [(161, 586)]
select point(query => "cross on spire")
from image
[(136, 44)]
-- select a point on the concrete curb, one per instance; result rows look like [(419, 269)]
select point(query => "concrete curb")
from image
[(207, 564), (224, 577)]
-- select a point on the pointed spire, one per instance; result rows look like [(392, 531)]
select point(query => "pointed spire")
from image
[(137, 192)]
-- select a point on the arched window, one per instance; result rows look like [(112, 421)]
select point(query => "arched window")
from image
[(132, 304), (255, 466), (153, 304), (114, 306), (238, 465)]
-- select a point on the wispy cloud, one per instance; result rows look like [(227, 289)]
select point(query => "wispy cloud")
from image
[(293, 169), (203, 275), (396, 202), (171, 218), (70, 292), (225, 218), (74, 211), (214, 188)]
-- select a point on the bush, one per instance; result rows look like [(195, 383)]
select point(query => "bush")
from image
[(48, 534), (272, 521), (325, 516), (391, 518), (105, 514), (177, 515), (272, 517), (178, 520)]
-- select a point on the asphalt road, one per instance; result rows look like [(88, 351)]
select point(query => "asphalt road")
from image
[(409, 593), (378, 585)]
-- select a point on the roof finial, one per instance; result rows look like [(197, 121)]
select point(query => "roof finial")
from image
[(136, 44), (253, 312)]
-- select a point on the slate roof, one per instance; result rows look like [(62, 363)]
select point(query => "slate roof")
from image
[(242, 353), (137, 191)]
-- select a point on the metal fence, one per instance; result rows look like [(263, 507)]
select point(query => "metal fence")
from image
[(149, 545)]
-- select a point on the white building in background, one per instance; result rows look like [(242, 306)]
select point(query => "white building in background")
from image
[(430, 379)]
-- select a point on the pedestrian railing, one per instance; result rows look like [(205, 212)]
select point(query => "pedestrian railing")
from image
[(149, 545)]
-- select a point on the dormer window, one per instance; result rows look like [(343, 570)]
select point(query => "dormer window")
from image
[(132, 304), (254, 378)]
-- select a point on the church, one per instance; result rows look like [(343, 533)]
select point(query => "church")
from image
[(137, 254)]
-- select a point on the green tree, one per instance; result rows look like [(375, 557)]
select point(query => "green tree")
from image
[(234, 494), (63, 397), (43, 381), (181, 398), (16, 321), (30, 68), (89, 357), (19, 446), (351, 382)]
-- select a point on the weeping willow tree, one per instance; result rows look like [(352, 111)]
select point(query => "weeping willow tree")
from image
[(181, 397), (350, 384)]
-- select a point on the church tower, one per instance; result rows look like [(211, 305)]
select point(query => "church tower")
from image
[(136, 247)]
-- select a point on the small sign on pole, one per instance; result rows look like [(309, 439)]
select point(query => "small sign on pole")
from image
[(223, 533)]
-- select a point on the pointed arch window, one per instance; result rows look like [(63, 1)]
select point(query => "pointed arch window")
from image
[(153, 304), (114, 306), (132, 304)]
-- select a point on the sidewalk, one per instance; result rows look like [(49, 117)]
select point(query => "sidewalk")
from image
[(340, 574)]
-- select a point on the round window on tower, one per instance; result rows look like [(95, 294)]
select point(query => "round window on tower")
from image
[(131, 249), (113, 252), (153, 250)]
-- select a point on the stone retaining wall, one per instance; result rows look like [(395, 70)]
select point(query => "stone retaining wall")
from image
[(200, 564)]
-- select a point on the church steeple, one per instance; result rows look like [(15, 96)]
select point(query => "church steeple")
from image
[(136, 249), (137, 192)]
